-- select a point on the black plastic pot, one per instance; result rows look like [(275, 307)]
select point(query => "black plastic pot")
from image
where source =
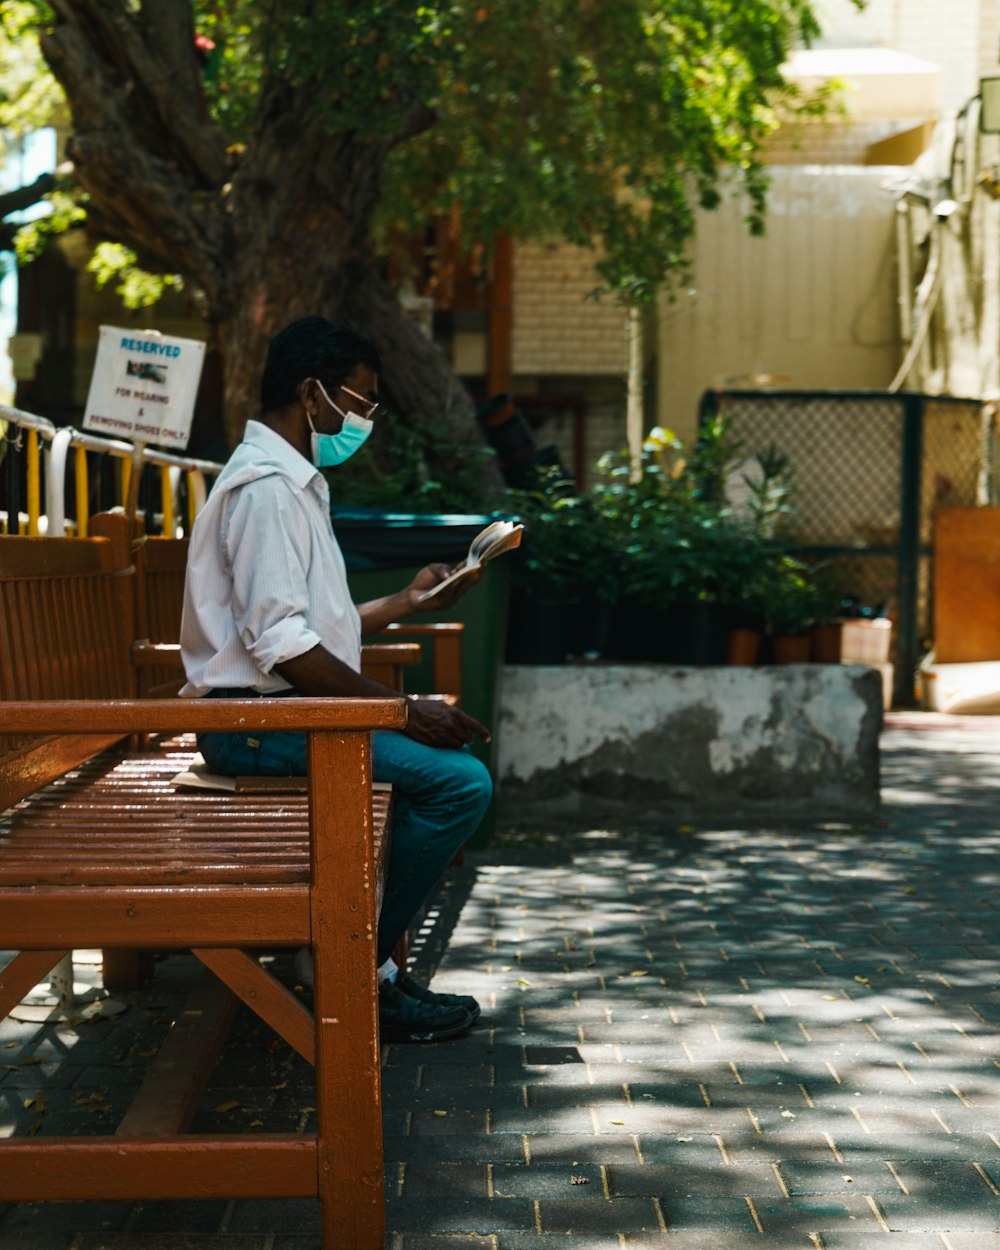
[(541, 630), (699, 632), (638, 631)]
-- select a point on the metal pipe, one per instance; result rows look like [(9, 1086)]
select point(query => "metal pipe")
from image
[(633, 401), (904, 266), (27, 420), (167, 501), (927, 296), (34, 482), (125, 480), (132, 457), (82, 492)]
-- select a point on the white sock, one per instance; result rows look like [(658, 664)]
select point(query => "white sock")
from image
[(388, 971)]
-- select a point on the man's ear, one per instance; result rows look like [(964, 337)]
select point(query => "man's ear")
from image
[(308, 393)]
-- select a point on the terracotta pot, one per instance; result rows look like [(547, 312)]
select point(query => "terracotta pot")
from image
[(826, 641), (791, 649), (743, 646)]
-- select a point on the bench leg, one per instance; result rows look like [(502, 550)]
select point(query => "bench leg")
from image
[(22, 974), (351, 1168), (126, 969)]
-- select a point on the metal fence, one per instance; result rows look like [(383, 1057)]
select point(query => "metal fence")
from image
[(870, 468), (53, 479)]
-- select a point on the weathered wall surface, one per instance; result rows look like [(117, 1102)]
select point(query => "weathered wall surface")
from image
[(651, 742)]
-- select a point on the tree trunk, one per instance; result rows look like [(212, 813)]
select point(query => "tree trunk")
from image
[(418, 380)]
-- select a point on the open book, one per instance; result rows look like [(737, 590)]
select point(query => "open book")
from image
[(494, 540)]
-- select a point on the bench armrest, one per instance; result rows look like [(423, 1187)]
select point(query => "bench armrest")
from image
[(446, 642), (157, 655), (423, 629), (401, 653), (126, 716)]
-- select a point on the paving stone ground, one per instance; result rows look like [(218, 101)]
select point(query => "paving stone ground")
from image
[(691, 1039)]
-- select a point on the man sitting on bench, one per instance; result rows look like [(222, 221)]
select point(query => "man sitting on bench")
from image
[(267, 611)]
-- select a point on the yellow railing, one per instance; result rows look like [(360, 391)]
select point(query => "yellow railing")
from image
[(39, 439)]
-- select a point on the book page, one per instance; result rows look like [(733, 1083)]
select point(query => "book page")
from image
[(492, 541), (485, 538)]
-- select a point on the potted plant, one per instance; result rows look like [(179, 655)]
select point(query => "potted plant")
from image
[(636, 508), (563, 578), (827, 633), (747, 597), (768, 485), (793, 604), (686, 556)]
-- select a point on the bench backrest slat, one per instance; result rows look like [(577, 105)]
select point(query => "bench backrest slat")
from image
[(163, 564), (66, 624)]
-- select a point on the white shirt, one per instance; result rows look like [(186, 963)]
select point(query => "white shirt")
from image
[(265, 578)]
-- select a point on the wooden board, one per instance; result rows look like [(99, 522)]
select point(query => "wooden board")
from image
[(966, 585)]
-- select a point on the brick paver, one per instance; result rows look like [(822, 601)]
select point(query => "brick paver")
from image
[(695, 1040)]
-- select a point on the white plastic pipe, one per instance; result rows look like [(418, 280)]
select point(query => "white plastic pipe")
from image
[(55, 483)]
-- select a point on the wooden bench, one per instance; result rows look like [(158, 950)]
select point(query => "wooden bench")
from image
[(97, 849)]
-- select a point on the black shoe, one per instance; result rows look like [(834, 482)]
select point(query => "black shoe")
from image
[(412, 987), (402, 1018)]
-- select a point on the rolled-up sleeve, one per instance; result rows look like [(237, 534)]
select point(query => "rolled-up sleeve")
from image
[(267, 543)]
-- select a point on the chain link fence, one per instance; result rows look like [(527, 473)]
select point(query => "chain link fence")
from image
[(870, 469)]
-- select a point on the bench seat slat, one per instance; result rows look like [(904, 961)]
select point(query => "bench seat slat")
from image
[(107, 824)]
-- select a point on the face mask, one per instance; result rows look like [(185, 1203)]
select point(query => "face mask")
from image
[(331, 449)]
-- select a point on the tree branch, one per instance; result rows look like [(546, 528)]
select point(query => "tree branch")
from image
[(24, 197), (132, 180), (157, 66)]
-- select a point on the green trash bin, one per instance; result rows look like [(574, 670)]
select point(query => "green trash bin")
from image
[(384, 550)]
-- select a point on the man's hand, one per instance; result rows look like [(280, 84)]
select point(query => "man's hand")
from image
[(428, 578), (438, 723)]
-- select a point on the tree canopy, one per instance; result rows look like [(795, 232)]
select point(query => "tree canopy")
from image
[(271, 164), (602, 124)]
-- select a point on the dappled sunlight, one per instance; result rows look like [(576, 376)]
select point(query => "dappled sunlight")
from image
[(778, 1036), (800, 1023)]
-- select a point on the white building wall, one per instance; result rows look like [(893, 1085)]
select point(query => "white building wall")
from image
[(811, 304), (948, 32)]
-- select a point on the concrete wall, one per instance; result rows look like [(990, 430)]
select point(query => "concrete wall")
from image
[(651, 743)]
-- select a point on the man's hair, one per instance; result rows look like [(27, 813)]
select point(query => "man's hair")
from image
[(312, 347)]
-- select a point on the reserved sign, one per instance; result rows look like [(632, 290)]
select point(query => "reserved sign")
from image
[(144, 386)]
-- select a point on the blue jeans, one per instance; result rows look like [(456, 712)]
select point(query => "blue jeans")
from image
[(440, 798)]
